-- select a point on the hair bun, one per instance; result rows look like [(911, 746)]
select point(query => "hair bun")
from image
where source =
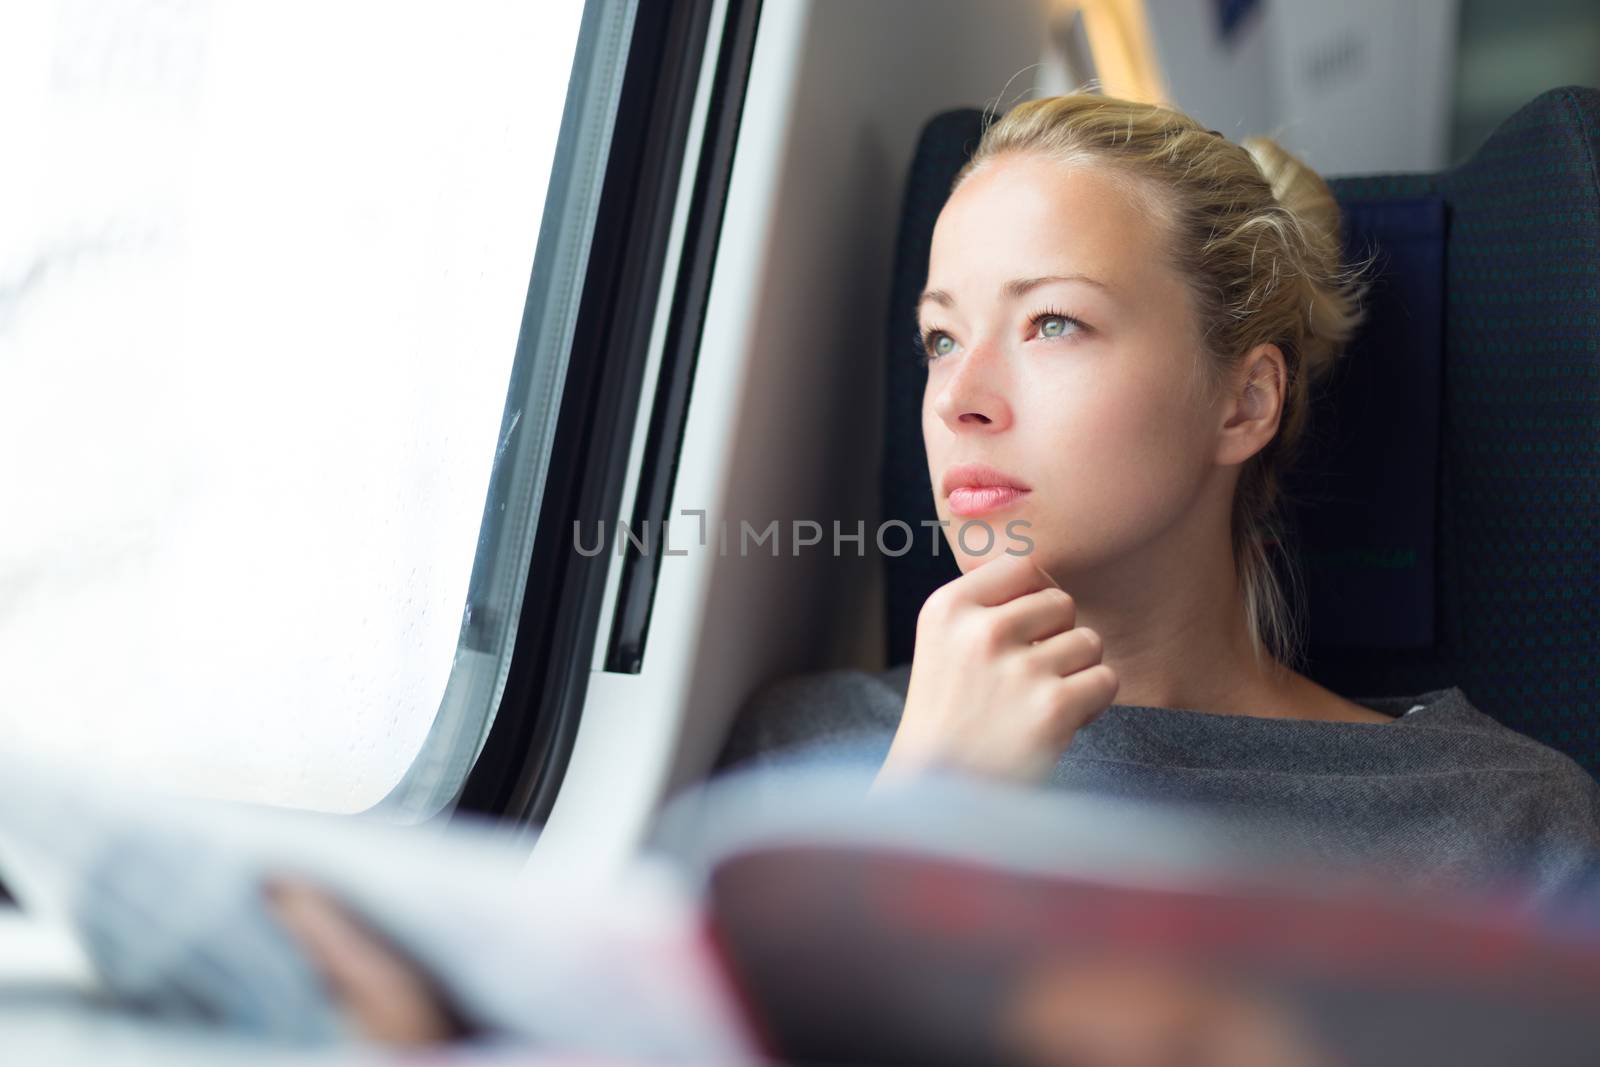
[(1296, 186), (1332, 294)]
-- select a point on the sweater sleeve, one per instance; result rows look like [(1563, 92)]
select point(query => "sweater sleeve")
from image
[(841, 714), (1563, 860)]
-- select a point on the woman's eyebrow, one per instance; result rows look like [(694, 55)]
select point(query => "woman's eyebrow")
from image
[(1014, 288)]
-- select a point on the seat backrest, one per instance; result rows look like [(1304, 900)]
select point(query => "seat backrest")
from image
[(1446, 509)]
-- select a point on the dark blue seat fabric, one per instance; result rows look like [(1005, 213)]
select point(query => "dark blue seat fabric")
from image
[(1445, 510), (1361, 500)]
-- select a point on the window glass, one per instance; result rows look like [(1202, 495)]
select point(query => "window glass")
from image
[(263, 268), (1507, 54)]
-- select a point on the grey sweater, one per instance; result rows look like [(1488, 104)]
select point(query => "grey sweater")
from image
[(1441, 792)]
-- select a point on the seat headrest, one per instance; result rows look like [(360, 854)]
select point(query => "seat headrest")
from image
[(1361, 502)]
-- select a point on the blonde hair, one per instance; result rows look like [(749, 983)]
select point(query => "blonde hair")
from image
[(1256, 233)]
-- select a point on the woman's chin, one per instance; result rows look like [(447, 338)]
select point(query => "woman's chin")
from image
[(984, 537), (971, 561)]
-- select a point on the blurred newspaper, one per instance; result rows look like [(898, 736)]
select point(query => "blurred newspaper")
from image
[(785, 912), (166, 896)]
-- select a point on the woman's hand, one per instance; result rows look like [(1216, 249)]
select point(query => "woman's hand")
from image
[(1001, 679), (388, 997)]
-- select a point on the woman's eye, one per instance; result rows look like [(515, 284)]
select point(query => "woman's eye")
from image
[(936, 343), (1053, 325)]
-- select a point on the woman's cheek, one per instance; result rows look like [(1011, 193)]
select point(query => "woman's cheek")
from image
[(1109, 489)]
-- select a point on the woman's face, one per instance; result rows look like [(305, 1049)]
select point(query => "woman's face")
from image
[(1063, 348)]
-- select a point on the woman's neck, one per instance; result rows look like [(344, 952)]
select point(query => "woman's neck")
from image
[(1177, 636)]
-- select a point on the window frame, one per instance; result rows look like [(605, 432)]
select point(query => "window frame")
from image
[(523, 757)]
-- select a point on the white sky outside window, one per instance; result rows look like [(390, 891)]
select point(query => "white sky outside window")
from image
[(262, 269)]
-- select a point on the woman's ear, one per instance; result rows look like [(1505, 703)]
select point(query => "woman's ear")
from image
[(1250, 413)]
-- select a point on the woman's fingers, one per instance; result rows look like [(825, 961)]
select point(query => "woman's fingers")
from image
[(1090, 691), (389, 999), (999, 680), (1075, 701), (1070, 651), (1034, 616), (1002, 579)]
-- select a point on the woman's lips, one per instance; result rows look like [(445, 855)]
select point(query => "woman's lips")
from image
[(977, 488), (970, 500)]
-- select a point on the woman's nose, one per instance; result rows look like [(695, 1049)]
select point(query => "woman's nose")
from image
[(973, 396)]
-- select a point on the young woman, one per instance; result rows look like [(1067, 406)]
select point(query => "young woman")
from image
[(1123, 316)]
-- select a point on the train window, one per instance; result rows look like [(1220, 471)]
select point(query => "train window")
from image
[(264, 279)]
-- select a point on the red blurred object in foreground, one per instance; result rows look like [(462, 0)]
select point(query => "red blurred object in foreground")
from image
[(872, 956)]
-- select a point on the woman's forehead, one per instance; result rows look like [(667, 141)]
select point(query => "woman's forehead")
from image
[(1033, 218)]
